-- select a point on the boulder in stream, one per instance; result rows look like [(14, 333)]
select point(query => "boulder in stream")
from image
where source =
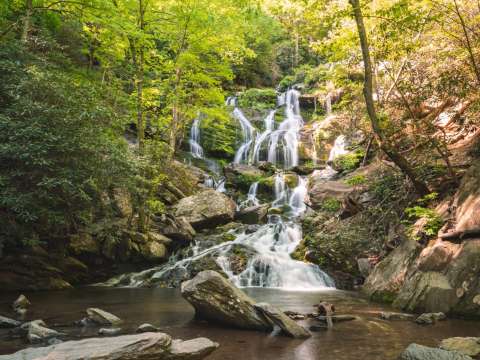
[(278, 318), (466, 345), (147, 328), (102, 317), (147, 346), (420, 352), (430, 318), (39, 332), (217, 299), (6, 323), (206, 209)]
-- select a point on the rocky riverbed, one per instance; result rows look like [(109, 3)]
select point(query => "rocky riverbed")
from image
[(368, 335)]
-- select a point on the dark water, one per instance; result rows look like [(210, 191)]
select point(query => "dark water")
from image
[(369, 337)]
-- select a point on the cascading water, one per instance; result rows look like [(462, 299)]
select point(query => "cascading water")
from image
[(195, 148), (270, 246), (251, 197), (248, 132), (282, 144), (338, 149)]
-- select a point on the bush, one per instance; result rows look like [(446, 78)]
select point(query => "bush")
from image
[(59, 152), (258, 99), (349, 162)]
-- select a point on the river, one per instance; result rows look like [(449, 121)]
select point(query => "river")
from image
[(368, 336)]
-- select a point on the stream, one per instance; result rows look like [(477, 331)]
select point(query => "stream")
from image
[(369, 337)]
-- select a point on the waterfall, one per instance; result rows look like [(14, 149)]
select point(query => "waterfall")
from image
[(273, 243), (338, 149), (248, 132), (284, 140), (195, 148), (269, 124), (251, 197)]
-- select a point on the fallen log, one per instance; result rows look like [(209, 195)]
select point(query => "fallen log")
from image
[(454, 236)]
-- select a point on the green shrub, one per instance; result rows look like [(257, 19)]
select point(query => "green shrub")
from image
[(258, 99), (356, 180), (349, 162), (331, 205)]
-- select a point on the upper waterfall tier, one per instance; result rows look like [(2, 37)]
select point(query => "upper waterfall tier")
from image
[(276, 144)]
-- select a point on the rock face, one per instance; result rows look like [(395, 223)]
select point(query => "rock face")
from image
[(443, 276), (278, 318), (465, 345), (207, 209), (216, 299), (321, 190), (102, 317), (253, 214), (145, 346), (419, 352)]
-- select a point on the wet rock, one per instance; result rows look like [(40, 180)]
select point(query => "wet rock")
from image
[(38, 332), (396, 316), (147, 328), (21, 303), (317, 328), (278, 318), (191, 349), (109, 331), (419, 352), (430, 318), (217, 299), (253, 214), (147, 346), (6, 323), (178, 229), (294, 315), (250, 229), (207, 209), (102, 317), (465, 345)]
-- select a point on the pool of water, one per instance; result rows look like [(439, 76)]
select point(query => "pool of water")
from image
[(368, 337)]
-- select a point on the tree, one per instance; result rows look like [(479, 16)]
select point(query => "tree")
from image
[(396, 157)]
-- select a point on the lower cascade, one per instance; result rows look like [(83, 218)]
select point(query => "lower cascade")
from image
[(270, 246)]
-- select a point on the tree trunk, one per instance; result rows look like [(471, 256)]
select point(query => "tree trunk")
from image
[(26, 20), (468, 42), (420, 187)]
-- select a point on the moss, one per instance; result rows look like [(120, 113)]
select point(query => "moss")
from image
[(331, 205), (349, 162), (386, 297)]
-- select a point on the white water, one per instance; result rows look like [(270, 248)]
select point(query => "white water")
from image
[(273, 244), (248, 132), (270, 247), (195, 148), (338, 149), (251, 197)]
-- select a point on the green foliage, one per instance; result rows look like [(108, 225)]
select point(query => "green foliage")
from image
[(433, 221), (356, 180), (331, 205), (59, 152), (218, 133), (258, 99), (349, 162)]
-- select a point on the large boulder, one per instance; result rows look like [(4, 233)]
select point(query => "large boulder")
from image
[(466, 345), (102, 317), (178, 229), (420, 352), (216, 299), (321, 190), (253, 214), (146, 346), (206, 209)]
